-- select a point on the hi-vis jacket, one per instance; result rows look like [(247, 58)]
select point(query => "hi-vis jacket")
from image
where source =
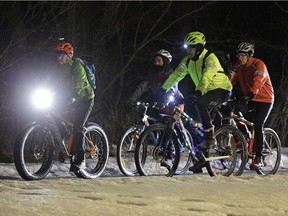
[(205, 79), (75, 80), (254, 77)]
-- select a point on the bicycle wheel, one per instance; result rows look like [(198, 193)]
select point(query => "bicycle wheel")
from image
[(126, 150), (152, 148), (96, 147), (229, 156), (33, 152), (185, 155), (271, 152)]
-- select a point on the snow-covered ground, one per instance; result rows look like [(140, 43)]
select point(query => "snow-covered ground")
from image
[(62, 193)]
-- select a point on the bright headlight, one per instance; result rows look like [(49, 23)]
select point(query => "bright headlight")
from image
[(42, 98), (171, 98)]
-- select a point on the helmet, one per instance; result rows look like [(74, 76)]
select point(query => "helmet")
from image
[(194, 38), (165, 54), (246, 47), (66, 47)]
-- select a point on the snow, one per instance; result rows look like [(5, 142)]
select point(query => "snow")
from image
[(62, 193)]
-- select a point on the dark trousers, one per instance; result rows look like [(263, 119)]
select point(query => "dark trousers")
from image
[(81, 113), (209, 100), (259, 116)]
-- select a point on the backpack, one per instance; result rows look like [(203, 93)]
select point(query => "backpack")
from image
[(90, 72), (223, 59)]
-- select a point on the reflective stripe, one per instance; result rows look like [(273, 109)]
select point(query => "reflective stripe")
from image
[(261, 73)]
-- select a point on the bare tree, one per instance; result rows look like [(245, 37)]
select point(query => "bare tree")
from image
[(120, 38)]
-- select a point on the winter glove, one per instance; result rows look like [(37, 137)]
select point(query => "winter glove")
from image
[(246, 98), (160, 94), (193, 98)]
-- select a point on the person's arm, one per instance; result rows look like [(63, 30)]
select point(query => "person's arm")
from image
[(141, 88), (212, 66), (260, 77), (174, 78)]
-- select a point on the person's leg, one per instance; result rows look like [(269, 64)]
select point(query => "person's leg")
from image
[(81, 114), (209, 100), (262, 111)]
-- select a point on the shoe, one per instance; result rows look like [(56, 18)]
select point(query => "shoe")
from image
[(256, 163), (77, 166), (167, 163), (197, 167)]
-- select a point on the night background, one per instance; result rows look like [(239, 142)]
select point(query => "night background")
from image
[(121, 38)]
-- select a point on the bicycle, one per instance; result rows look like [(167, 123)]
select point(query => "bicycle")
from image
[(127, 143), (271, 153), (126, 146), (153, 147), (39, 142)]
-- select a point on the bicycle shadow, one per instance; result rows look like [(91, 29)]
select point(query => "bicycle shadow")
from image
[(9, 178)]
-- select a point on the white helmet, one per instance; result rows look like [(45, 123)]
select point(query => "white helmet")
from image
[(165, 54), (246, 47)]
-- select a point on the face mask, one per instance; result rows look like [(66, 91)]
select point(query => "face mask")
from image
[(158, 68)]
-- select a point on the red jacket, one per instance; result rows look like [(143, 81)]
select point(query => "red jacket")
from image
[(254, 77)]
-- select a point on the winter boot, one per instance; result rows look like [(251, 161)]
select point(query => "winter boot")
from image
[(167, 163), (197, 167), (209, 139), (77, 161), (256, 163)]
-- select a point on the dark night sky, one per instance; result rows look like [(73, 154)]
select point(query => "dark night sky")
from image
[(105, 31)]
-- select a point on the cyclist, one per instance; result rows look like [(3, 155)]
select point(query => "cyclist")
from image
[(74, 81), (252, 75), (212, 85), (146, 91), (157, 75)]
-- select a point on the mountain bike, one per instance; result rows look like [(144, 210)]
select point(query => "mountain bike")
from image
[(157, 140), (127, 143), (271, 154), (36, 147)]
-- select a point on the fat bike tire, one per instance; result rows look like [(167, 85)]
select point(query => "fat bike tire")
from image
[(95, 162), (34, 152)]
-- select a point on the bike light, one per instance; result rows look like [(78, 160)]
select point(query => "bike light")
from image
[(171, 98), (42, 98)]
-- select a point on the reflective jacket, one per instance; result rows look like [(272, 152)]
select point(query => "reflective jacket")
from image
[(76, 80), (254, 77), (205, 79)]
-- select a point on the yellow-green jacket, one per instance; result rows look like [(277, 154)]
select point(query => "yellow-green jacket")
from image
[(205, 80), (77, 80)]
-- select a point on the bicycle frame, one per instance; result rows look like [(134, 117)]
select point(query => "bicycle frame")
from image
[(178, 116), (239, 118), (66, 147)]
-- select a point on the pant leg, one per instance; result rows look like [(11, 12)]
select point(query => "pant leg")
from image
[(262, 111), (82, 111), (209, 100)]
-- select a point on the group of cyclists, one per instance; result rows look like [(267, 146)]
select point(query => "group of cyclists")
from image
[(212, 88)]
